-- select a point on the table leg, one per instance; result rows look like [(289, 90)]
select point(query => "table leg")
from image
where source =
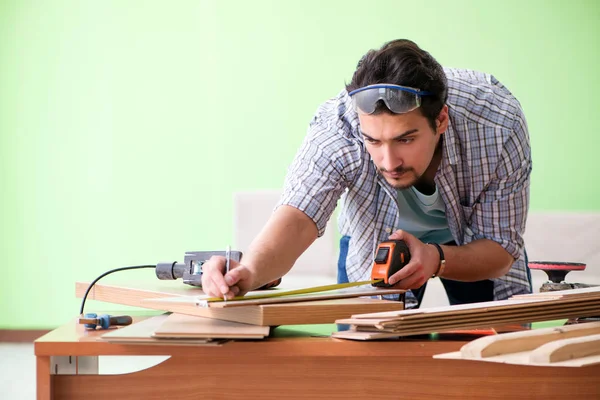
[(43, 382)]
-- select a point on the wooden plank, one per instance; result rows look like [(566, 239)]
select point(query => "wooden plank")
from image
[(525, 341), (486, 321), (551, 313), (351, 292), (562, 294), (522, 359), (442, 327), (521, 301), (433, 312), (141, 332), (474, 309), (566, 349), (319, 312), (314, 312), (571, 352), (186, 326), (475, 312)]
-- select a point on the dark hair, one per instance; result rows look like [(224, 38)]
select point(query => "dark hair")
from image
[(402, 62)]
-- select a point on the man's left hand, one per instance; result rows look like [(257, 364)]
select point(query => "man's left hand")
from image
[(424, 262)]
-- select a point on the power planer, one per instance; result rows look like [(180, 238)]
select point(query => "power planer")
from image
[(190, 271)]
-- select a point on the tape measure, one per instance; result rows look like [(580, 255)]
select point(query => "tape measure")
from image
[(391, 256), (315, 289)]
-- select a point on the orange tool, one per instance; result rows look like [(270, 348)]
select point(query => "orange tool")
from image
[(391, 257)]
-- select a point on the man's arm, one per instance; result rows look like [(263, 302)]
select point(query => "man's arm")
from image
[(324, 166), (475, 261), (478, 260), (287, 234)]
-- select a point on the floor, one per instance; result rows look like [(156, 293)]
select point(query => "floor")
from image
[(17, 371)]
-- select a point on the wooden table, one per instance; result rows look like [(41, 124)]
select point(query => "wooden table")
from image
[(296, 367)]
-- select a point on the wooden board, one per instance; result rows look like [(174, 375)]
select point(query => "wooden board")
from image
[(141, 333), (469, 316), (553, 311), (561, 294), (526, 341), (367, 333), (435, 312), (370, 333), (189, 326), (253, 298), (566, 346), (308, 312)]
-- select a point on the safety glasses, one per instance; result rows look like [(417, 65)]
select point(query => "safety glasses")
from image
[(399, 99)]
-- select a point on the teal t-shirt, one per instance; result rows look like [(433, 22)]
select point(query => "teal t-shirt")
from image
[(423, 216)]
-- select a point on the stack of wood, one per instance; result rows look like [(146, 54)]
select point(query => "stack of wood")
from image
[(519, 309), (314, 308), (196, 321), (180, 329)]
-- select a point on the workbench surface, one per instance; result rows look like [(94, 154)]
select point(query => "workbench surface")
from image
[(293, 364)]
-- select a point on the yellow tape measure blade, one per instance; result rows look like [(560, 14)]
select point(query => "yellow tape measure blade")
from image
[(315, 289)]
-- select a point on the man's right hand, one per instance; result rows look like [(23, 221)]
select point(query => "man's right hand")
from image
[(216, 283), (271, 254)]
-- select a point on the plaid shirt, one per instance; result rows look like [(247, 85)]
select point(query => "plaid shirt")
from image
[(483, 177)]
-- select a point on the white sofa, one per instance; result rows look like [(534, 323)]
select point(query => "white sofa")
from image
[(555, 236)]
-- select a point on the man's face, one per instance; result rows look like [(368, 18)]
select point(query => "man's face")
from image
[(401, 145)]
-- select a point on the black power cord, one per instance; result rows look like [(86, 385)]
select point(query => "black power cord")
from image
[(103, 275)]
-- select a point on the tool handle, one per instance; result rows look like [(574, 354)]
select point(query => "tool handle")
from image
[(121, 320), (92, 320)]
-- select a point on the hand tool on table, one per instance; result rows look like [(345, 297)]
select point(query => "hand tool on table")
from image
[(104, 321), (391, 256), (190, 271), (557, 271)]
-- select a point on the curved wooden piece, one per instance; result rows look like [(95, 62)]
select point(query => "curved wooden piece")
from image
[(515, 342), (567, 349)]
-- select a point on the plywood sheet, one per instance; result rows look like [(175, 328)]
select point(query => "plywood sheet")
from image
[(189, 326), (254, 298), (142, 333), (306, 312), (525, 309)]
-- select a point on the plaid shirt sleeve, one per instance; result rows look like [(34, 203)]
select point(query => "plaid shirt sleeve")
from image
[(500, 213), (322, 169)]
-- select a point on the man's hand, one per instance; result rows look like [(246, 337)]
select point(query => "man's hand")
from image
[(216, 283), (271, 254), (424, 262)]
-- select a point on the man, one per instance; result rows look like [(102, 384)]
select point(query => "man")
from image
[(439, 158)]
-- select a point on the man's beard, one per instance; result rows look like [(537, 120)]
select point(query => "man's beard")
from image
[(405, 173)]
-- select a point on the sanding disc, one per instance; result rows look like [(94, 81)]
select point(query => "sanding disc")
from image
[(556, 265)]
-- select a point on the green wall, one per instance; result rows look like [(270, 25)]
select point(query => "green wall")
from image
[(126, 127)]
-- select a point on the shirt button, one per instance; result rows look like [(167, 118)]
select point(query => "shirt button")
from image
[(388, 230)]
